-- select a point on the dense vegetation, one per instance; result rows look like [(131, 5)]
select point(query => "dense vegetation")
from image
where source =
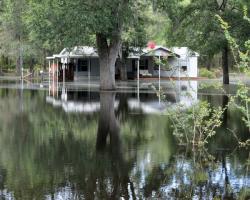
[(31, 29)]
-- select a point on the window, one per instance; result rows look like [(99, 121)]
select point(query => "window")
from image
[(183, 88), (82, 65), (184, 68), (144, 64), (134, 65)]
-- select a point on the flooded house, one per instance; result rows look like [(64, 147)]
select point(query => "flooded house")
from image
[(143, 99), (82, 62)]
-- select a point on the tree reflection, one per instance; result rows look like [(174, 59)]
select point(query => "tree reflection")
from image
[(108, 126), (225, 101), (45, 152)]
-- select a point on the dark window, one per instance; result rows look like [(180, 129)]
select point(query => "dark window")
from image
[(82, 65), (75, 64), (184, 68), (134, 65), (144, 64), (183, 88)]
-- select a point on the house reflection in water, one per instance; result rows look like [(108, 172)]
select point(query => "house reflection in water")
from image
[(182, 93)]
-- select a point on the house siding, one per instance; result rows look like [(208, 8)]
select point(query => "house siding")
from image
[(95, 67), (186, 65)]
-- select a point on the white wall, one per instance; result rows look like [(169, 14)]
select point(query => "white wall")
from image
[(95, 67), (193, 67), (190, 62)]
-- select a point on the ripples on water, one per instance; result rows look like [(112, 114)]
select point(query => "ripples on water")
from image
[(111, 145)]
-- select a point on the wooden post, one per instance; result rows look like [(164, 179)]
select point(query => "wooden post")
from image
[(64, 65), (89, 77), (179, 74), (57, 73), (49, 77), (53, 70), (138, 80), (159, 79)]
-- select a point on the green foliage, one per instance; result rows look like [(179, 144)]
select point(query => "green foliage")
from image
[(242, 59), (197, 124), (40, 28), (158, 26), (163, 62), (203, 72), (194, 23), (70, 23), (242, 103)]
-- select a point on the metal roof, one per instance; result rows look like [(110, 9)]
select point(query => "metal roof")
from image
[(159, 51), (135, 52), (77, 52)]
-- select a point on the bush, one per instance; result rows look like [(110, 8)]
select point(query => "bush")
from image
[(196, 124), (203, 72)]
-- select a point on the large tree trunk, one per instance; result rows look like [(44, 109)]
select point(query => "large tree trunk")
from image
[(225, 65), (108, 51), (107, 56)]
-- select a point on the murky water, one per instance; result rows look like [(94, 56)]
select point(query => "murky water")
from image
[(90, 145)]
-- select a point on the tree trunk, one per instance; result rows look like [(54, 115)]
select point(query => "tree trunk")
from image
[(124, 52), (121, 64), (209, 62), (225, 65), (225, 100), (108, 51), (44, 59), (107, 56), (18, 66), (32, 63)]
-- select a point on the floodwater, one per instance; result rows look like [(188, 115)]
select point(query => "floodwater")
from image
[(78, 143)]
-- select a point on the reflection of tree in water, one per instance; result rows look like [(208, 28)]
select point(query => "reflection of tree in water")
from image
[(108, 126), (53, 150), (136, 123), (53, 153), (197, 174)]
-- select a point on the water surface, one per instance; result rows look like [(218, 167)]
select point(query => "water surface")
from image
[(83, 144)]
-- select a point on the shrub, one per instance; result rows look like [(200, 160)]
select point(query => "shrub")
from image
[(196, 124), (203, 72)]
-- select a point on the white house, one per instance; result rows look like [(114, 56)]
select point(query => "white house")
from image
[(83, 61)]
